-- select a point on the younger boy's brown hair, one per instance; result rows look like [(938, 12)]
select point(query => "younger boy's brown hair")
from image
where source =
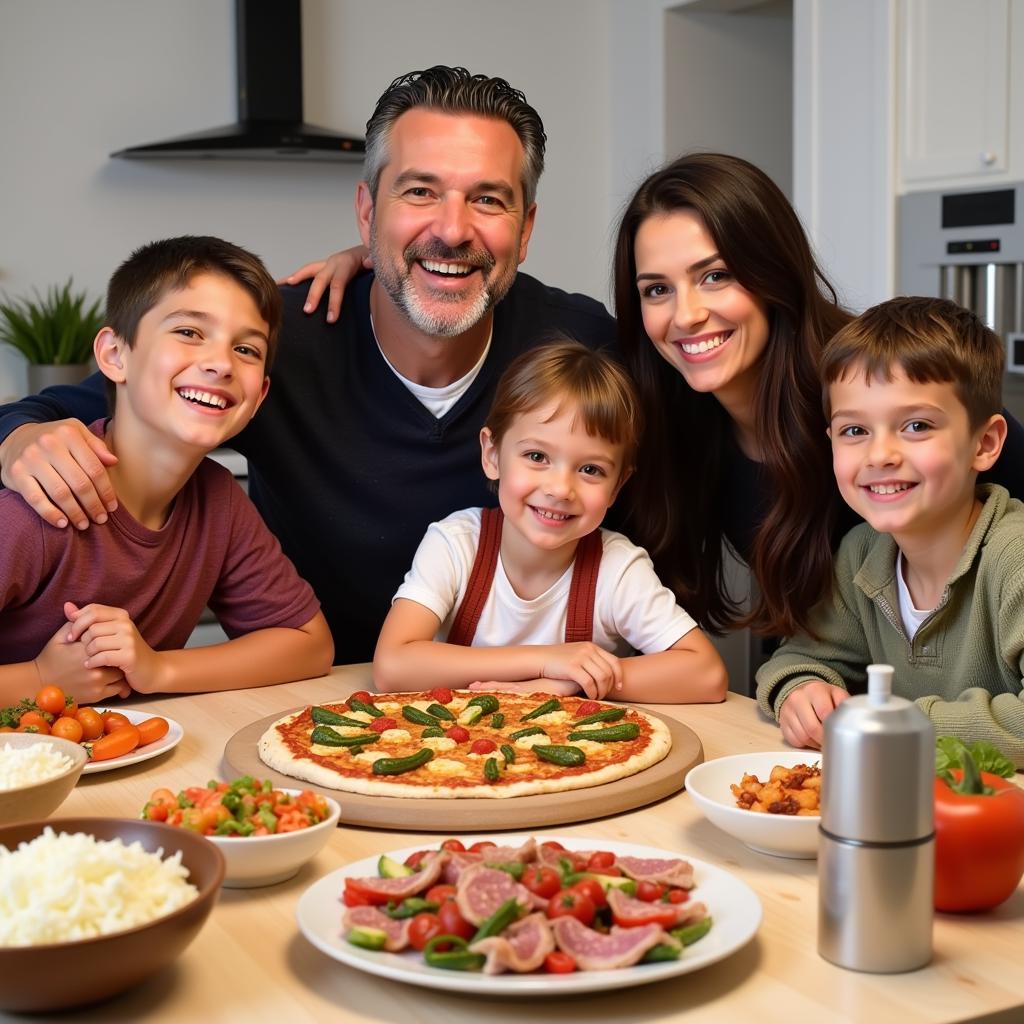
[(931, 341), (564, 370), (157, 268)]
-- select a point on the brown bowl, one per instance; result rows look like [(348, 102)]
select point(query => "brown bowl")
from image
[(57, 976), (39, 799)]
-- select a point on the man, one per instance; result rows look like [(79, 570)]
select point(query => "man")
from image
[(370, 431)]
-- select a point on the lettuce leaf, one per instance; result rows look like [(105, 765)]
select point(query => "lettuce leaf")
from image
[(949, 755)]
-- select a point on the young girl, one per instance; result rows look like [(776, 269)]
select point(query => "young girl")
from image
[(535, 596)]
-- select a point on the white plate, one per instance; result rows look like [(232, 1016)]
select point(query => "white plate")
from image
[(733, 905), (170, 739)]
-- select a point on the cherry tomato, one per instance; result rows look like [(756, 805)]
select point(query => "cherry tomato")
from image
[(454, 844), (156, 812), (117, 743), (151, 730), (362, 695), (368, 897), (552, 844), (51, 699), (113, 720), (457, 733), (382, 724), (483, 747), (34, 721), (559, 963), (442, 695), (67, 729), (649, 891), (484, 844), (440, 893), (355, 898), (588, 707), (92, 723), (601, 861), (413, 860), (452, 921), (570, 903), (70, 707), (676, 896), (543, 881), (593, 889), (422, 928)]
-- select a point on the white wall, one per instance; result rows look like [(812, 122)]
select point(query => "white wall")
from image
[(79, 80)]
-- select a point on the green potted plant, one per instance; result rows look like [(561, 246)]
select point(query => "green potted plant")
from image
[(54, 333)]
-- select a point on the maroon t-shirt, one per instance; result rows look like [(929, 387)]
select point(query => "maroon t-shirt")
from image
[(213, 550)]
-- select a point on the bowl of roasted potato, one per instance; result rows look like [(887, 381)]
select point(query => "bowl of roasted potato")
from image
[(769, 800)]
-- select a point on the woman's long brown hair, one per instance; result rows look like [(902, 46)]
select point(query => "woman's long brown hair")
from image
[(675, 499)]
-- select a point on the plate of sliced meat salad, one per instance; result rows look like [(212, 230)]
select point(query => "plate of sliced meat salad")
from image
[(531, 916)]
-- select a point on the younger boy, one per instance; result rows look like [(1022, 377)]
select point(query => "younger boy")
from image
[(933, 581), (191, 330)]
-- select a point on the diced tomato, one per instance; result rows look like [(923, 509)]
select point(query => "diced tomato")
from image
[(454, 844), (156, 812), (658, 913), (570, 903), (588, 707), (363, 695), (593, 889), (457, 733), (440, 893), (483, 844), (452, 921), (676, 896), (442, 695), (483, 747), (559, 963), (649, 891), (601, 861), (382, 724), (542, 881), (413, 860), (422, 928)]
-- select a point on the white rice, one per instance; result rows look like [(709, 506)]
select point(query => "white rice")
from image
[(59, 888), (23, 766)]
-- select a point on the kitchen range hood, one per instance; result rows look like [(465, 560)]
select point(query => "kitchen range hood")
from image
[(270, 125)]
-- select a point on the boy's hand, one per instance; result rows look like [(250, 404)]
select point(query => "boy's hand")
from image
[(805, 709), (592, 669), (110, 638), (63, 664), (59, 468), (558, 687), (335, 272)]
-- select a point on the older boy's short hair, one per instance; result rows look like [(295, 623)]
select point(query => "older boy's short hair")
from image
[(455, 91), (155, 269), (565, 370), (930, 340)]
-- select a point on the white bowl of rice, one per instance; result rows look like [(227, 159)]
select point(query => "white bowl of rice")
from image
[(36, 774)]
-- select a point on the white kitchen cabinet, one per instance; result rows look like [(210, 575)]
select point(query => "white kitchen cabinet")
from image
[(955, 111)]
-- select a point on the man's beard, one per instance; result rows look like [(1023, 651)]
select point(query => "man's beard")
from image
[(396, 279)]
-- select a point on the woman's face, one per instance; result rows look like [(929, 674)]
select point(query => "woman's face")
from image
[(701, 320)]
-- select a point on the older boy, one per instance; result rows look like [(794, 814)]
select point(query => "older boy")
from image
[(933, 581), (192, 327)]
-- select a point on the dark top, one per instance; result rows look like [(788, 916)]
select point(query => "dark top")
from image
[(347, 467)]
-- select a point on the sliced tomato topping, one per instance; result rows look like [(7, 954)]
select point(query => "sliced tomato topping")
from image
[(588, 707), (442, 695), (483, 747), (382, 724), (365, 696), (457, 733)]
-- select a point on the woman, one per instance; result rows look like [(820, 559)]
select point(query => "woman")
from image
[(722, 313)]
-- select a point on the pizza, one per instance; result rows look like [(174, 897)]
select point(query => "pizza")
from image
[(463, 744)]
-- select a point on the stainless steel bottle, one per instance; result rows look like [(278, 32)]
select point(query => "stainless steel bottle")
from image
[(876, 845)]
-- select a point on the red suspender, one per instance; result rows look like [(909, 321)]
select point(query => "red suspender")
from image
[(579, 622), (480, 578)]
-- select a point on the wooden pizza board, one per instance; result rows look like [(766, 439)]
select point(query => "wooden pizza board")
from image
[(476, 815)]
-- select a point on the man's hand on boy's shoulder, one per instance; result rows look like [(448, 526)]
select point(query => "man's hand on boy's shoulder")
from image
[(111, 640), (804, 711), (59, 468)]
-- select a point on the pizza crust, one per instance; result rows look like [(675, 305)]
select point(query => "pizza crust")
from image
[(275, 752)]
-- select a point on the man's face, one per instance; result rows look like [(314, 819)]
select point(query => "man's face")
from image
[(448, 228)]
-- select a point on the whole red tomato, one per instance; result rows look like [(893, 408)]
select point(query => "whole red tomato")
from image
[(542, 880), (979, 844), (452, 921)]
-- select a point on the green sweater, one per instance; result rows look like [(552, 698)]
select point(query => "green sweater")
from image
[(965, 664)]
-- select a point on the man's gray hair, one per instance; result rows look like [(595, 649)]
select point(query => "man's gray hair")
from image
[(455, 91)]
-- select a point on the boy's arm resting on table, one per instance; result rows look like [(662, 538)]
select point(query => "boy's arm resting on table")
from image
[(50, 458), (689, 672), (407, 658)]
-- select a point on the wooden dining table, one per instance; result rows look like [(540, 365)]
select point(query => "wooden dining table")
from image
[(251, 963)]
